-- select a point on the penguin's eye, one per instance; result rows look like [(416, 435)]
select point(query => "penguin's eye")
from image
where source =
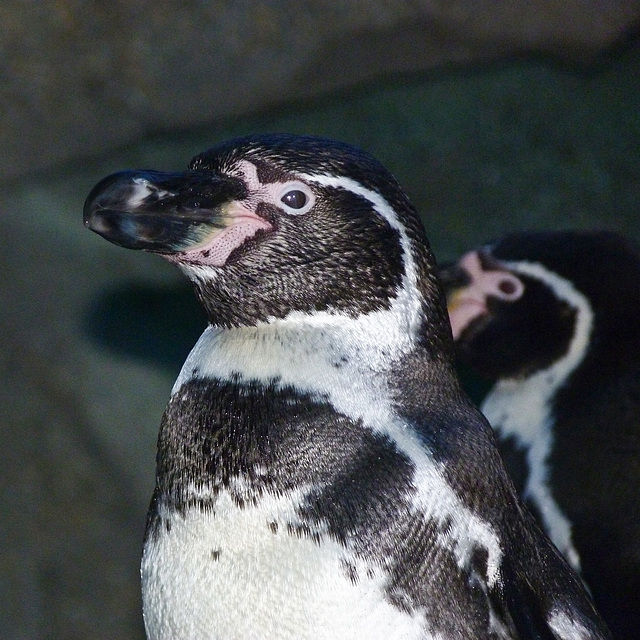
[(296, 199)]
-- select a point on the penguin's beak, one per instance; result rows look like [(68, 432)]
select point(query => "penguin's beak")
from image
[(464, 303), (166, 213), (455, 280)]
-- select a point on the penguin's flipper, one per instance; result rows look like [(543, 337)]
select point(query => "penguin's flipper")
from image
[(530, 591), (544, 597)]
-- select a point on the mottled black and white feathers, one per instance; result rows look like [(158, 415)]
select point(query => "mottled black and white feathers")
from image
[(553, 320), (320, 474)]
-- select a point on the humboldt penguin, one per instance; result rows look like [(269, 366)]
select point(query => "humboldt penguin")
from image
[(552, 320), (320, 473)]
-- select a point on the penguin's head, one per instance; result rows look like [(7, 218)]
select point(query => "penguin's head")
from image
[(521, 303), (271, 225)]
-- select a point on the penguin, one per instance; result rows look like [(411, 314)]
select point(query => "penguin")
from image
[(552, 320), (320, 473)]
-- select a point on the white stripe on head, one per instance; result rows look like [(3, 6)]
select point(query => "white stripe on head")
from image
[(565, 291)]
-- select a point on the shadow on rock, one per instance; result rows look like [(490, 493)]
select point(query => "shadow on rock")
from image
[(158, 325)]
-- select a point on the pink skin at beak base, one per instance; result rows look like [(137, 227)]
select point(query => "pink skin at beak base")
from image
[(243, 224)]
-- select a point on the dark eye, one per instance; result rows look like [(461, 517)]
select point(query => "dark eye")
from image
[(295, 199), (507, 287)]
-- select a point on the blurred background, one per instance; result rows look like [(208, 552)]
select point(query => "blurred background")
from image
[(494, 116)]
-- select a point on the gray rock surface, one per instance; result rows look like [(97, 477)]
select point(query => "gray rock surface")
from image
[(81, 76), (93, 335)]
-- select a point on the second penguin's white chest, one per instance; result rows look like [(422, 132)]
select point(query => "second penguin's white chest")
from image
[(523, 411), (243, 573)]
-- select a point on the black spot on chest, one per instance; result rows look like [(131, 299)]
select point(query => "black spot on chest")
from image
[(249, 438), (359, 489)]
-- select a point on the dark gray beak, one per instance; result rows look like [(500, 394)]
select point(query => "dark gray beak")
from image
[(165, 213)]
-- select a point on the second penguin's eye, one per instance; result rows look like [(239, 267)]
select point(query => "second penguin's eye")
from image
[(295, 199)]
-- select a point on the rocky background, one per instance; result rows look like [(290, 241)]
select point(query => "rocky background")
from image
[(494, 116), (82, 76)]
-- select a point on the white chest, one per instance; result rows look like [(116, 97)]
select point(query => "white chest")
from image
[(238, 573), (522, 410)]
